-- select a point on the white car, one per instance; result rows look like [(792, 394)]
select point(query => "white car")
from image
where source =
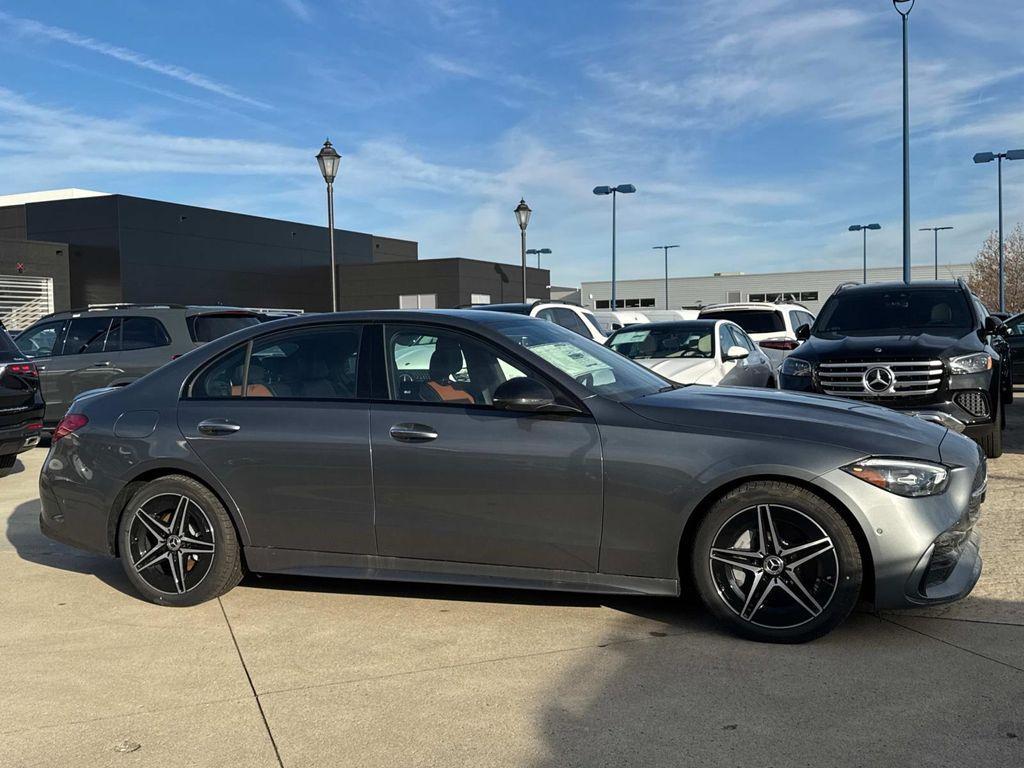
[(571, 316), (620, 318), (772, 326), (713, 352)]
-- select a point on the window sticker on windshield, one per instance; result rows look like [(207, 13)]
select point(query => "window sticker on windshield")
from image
[(631, 337), (568, 358)]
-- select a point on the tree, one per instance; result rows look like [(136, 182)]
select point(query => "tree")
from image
[(984, 279)]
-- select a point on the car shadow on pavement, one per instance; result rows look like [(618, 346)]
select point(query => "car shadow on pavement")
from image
[(29, 542)]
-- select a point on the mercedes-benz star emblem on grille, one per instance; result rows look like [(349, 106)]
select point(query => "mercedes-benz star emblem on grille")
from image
[(878, 380)]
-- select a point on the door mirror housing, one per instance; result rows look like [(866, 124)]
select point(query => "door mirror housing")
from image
[(524, 394), (803, 333), (737, 353), (994, 326)]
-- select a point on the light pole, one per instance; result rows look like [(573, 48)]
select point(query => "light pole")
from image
[(665, 248), (864, 228), (329, 160), (936, 230), (903, 7), (988, 157), (522, 213), (625, 189), (537, 252)]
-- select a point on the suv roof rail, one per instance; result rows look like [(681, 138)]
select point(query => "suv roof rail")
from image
[(845, 284), (131, 305)]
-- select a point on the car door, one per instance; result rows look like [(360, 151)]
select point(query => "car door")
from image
[(79, 365), (41, 343), (456, 479), (1015, 340), (280, 423), (135, 346)]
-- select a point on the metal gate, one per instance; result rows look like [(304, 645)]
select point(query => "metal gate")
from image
[(24, 299)]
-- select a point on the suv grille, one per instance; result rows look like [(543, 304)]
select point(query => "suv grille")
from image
[(904, 378)]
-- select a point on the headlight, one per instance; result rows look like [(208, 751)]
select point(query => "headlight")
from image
[(794, 366), (904, 478), (975, 363)]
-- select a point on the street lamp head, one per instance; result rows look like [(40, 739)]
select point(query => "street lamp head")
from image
[(625, 189), (903, 7), (329, 160), (523, 212), (544, 251), (1015, 154), (874, 226), (602, 190), (856, 227), (984, 157)]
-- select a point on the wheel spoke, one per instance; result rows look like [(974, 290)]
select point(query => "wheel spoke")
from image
[(177, 563), (179, 518), (152, 557), (738, 558), (797, 556), (154, 526), (768, 539), (191, 546), (806, 601), (759, 590)]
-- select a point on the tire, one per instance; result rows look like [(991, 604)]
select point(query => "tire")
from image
[(992, 443), (772, 593), (177, 543)]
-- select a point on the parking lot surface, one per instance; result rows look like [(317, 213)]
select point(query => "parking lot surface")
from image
[(305, 672)]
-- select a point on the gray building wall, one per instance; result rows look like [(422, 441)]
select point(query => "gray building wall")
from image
[(40, 259), (715, 289)]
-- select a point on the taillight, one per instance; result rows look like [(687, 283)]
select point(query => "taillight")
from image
[(70, 423), (786, 345), (25, 369), (35, 426)]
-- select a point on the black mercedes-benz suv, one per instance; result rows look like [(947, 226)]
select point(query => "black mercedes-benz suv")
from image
[(21, 402), (928, 347)]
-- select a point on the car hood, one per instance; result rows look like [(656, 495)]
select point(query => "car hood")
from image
[(895, 346), (863, 429), (684, 370)]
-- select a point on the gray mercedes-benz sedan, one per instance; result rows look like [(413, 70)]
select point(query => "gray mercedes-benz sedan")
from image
[(478, 447)]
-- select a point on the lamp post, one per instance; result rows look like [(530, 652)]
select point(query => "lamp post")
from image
[(936, 230), (537, 252), (988, 157), (903, 7), (864, 228), (625, 189), (523, 212), (329, 160), (665, 248)]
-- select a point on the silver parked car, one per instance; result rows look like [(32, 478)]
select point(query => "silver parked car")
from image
[(515, 453)]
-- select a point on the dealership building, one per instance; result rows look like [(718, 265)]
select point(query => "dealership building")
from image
[(75, 248), (808, 287)]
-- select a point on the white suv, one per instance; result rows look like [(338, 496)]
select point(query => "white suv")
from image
[(571, 316), (772, 326)]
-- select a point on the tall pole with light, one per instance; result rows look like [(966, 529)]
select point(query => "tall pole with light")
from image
[(903, 7), (523, 212), (988, 157), (665, 248), (936, 230), (329, 160), (537, 252), (625, 189), (864, 228)]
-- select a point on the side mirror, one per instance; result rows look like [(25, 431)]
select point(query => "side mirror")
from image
[(993, 325), (737, 353), (523, 394), (803, 333)]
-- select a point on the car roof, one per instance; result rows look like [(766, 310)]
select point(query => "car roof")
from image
[(146, 309), (747, 305), (894, 285), (672, 325)]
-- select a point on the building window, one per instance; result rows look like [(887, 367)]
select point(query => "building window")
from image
[(809, 296), (646, 302), (602, 304), (418, 301), (480, 298), (755, 297)]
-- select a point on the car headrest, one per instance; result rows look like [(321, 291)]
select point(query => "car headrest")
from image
[(445, 360)]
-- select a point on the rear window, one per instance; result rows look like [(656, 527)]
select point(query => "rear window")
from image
[(203, 328), (750, 320)]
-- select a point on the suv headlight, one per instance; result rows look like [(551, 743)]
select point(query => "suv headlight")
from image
[(976, 363), (794, 366), (904, 478)]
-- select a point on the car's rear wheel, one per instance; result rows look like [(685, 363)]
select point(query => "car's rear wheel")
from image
[(776, 563), (178, 544)]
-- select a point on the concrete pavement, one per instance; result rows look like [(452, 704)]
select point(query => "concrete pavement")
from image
[(305, 672)]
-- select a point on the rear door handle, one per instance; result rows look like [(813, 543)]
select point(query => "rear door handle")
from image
[(413, 433), (218, 427)]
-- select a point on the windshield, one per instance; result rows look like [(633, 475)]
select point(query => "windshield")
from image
[(942, 312), (597, 368), (750, 320), (205, 328), (661, 343)]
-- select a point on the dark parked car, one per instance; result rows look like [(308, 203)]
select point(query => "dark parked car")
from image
[(480, 447), (106, 346), (21, 404), (1014, 335), (929, 347)]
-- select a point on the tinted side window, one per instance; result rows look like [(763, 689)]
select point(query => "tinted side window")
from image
[(222, 378), (41, 340), (569, 320), (208, 327), (128, 333), (751, 320), (86, 335), (308, 364), (742, 339)]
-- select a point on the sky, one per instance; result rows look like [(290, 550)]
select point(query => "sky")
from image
[(755, 131)]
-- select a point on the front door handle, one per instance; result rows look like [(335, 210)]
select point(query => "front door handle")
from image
[(413, 433), (215, 427)]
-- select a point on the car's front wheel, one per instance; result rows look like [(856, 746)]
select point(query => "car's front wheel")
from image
[(178, 544), (776, 563)]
